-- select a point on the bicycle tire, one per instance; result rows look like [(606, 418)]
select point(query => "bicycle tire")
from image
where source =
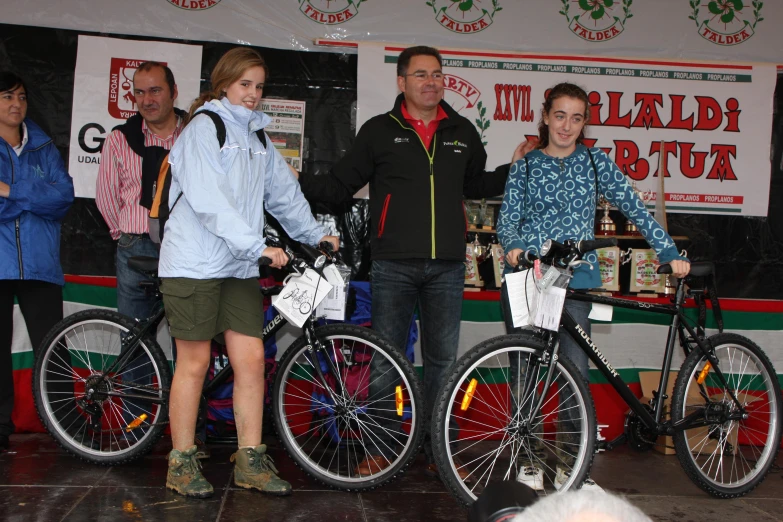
[(491, 354), (115, 444), (287, 421), (729, 444)]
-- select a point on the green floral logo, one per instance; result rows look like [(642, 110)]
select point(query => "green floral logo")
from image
[(465, 16), (597, 20), (726, 22), (330, 12)]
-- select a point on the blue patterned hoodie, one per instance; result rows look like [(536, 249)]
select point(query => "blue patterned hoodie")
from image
[(557, 200)]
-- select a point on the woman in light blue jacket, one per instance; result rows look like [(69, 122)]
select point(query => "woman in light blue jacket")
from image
[(209, 264)]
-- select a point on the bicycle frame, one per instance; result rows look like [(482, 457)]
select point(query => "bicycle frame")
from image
[(678, 325)]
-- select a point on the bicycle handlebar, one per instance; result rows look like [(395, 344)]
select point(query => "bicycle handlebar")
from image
[(565, 253), (587, 245)]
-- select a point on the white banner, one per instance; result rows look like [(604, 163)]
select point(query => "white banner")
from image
[(103, 94), (744, 30), (715, 118)]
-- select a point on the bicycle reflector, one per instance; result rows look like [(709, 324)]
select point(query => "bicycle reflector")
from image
[(704, 372), (398, 400), (468, 395), (135, 423)]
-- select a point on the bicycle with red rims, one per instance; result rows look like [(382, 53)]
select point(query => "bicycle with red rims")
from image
[(726, 405)]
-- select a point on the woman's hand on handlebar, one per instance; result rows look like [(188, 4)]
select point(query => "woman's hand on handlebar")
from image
[(512, 256), (333, 240), (277, 255), (680, 268)]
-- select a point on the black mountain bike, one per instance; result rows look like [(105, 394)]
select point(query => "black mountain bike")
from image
[(513, 401), (101, 387)]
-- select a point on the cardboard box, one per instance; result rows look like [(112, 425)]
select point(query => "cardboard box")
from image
[(665, 444)]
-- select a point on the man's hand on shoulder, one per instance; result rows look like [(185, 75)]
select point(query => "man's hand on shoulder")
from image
[(523, 148)]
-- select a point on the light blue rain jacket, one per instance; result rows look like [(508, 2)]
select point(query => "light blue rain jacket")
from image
[(216, 228)]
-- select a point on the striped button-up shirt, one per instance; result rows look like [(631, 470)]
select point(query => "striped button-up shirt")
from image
[(119, 181)]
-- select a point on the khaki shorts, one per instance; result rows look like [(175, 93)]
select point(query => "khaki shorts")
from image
[(202, 309)]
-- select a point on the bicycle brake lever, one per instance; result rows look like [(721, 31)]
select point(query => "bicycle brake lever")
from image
[(574, 264)]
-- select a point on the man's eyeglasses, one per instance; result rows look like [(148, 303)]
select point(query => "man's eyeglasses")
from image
[(422, 76)]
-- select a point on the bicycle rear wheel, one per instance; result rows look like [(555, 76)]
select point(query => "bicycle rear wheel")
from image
[(728, 458), (367, 407), (108, 419), (483, 427)]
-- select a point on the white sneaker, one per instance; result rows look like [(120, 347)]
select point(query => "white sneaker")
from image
[(562, 477), (531, 476)]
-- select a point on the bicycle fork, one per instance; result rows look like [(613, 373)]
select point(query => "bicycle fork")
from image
[(314, 347), (550, 357)]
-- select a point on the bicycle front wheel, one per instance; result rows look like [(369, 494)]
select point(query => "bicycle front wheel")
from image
[(488, 425), (95, 409), (729, 456), (349, 413)]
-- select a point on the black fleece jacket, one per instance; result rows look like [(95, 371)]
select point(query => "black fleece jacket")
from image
[(416, 195)]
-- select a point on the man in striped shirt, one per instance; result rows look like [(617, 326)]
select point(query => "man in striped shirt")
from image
[(120, 180)]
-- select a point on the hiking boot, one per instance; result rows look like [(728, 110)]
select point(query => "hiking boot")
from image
[(202, 450), (185, 476), (254, 469)]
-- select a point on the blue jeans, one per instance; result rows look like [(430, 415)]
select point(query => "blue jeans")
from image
[(569, 348), (134, 302), (397, 287)]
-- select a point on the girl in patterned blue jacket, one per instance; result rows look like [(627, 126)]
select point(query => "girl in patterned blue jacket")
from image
[(552, 193)]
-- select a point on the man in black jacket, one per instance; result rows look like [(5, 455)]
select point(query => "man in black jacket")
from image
[(420, 160)]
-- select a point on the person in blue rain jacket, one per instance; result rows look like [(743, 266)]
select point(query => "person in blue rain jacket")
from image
[(35, 194)]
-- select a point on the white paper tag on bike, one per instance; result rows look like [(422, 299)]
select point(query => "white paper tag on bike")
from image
[(550, 308), (522, 296), (300, 296), (601, 312), (549, 278), (552, 285), (333, 306)]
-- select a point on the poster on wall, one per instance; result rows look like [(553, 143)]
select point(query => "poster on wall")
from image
[(287, 128), (103, 94), (714, 117)]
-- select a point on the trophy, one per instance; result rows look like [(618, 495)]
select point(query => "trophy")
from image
[(606, 226), (630, 228)]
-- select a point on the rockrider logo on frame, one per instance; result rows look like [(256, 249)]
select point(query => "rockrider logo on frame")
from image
[(464, 16), (597, 20), (726, 22), (330, 12)]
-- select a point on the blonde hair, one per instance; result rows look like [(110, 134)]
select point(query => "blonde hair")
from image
[(229, 69)]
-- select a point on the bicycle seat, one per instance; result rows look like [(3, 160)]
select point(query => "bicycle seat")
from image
[(146, 264)]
